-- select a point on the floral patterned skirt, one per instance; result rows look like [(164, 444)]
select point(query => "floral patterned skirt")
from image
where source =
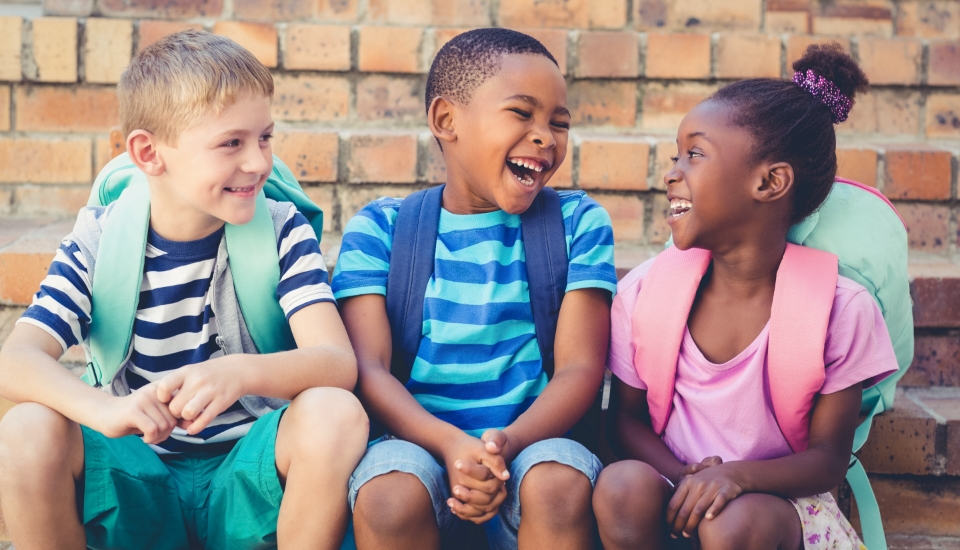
[(824, 526)]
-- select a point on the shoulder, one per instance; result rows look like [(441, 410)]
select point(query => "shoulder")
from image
[(629, 287), (577, 202), (582, 214), (851, 293), (378, 217)]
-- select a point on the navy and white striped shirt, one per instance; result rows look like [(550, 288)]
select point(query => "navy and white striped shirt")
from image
[(175, 325)]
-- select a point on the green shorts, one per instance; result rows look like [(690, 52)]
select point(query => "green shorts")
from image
[(136, 499)]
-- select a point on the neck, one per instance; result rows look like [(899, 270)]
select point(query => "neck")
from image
[(458, 195), (749, 267), (174, 220)]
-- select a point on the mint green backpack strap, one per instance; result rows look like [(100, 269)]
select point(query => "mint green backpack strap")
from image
[(116, 283), (255, 266), (282, 185)]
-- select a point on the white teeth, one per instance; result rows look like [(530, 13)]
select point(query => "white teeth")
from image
[(679, 207), (528, 165)]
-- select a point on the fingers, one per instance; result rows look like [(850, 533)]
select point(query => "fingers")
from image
[(721, 500), (478, 472), (673, 507), (168, 385), (478, 513), (496, 464), (696, 514), (711, 461), (494, 441), (209, 413)]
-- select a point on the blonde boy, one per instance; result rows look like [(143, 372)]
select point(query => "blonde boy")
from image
[(169, 456)]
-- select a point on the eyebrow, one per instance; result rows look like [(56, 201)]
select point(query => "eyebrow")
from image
[(241, 131), (699, 134), (536, 103)]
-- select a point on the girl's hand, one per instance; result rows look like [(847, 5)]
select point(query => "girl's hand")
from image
[(690, 469), (701, 496)]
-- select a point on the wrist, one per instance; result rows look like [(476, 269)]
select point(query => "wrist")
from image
[(739, 475)]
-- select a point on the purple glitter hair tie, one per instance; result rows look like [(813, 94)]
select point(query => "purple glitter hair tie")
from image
[(825, 91)]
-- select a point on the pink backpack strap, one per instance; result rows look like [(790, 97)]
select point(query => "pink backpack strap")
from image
[(802, 301), (659, 321)]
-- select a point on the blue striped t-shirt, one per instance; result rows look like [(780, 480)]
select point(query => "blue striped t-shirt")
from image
[(478, 366), (175, 324)]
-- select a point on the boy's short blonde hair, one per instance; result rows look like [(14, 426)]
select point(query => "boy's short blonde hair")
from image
[(172, 84)]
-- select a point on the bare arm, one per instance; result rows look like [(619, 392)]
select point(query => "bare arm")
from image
[(635, 438), (580, 351)]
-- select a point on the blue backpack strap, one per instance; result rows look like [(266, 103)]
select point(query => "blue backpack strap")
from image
[(411, 266), (545, 246)]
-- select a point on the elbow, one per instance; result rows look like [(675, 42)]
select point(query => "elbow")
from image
[(834, 466), (350, 373)]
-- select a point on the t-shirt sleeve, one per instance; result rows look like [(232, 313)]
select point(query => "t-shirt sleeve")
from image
[(62, 306), (622, 351), (364, 261), (303, 274), (590, 241), (858, 347)]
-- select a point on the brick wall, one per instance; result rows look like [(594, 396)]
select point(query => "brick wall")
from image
[(350, 77)]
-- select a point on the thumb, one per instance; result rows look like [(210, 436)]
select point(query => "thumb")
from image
[(494, 440), (168, 385), (712, 461)]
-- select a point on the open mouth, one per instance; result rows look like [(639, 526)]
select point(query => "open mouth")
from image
[(679, 207), (528, 171), (241, 189)]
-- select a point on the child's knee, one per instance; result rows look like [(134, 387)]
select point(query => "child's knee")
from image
[(562, 490), (35, 439), (629, 489), (393, 503), (328, 419)]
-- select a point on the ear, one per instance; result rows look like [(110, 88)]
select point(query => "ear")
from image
[(441, 120), (776, 182), (142, 146)]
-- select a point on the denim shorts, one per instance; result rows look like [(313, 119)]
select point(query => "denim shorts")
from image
[(395, 455)]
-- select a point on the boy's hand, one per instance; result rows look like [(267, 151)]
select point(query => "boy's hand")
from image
[(701, 496), (196, 394), (474, 482), (690, 469), (138, 413)]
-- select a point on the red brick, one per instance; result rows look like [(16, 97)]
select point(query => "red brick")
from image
[(858, 165), (928, 226), (748, 56), (58, 109), (601, 14), (50, 200), (311, 156), (390, 49), (917, 173), (944, 69), (106, 149), (687, 15), (943, 116), (30, 160), (76, 8), (259, 38), (55, 49), (614, 163), (902, 441), (20, 275), (946, 403), (308, 98), (382, 158), (665, 150), (598, 103), (554, 40), (11, 31), (563, 177), (918, 506), (891, 61), (787, 22), (678, 56), (324, 197), (436, 168), (353, 198), (106, 50), (626, 213), (430, 12), (881, 25), (936, 362), (609, 54), (923, 18), (275, 10), (797, 45), (935, 291), (888, 112), (659, 230), (151, 31), (317, 47), (161, 9), (337, 10), (665, 105), (4, 108), (389, 99)]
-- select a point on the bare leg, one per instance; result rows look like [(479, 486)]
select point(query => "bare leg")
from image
[(321, 439), (556, 512), (753, 522), (629, 502), (395, 511), (41, 459)]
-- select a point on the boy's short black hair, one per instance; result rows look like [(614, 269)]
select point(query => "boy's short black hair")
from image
[(470, 58)]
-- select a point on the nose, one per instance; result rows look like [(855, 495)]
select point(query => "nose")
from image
[(542, 136), (257, 159), (672, 176)]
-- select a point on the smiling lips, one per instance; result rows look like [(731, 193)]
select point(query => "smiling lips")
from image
[(679, 207), (528, 171), (241, 189)]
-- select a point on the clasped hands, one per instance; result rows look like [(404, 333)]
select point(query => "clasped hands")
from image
[(477, 470), (703, 489)]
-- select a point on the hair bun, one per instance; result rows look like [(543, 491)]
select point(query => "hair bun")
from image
[(834, 64)]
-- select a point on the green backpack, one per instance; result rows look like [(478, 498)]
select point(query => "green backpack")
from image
[(254, 263)]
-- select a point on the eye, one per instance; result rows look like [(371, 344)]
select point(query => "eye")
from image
[(560, 124), (521, 112), (266, 137), (231, 143), (675, 159), (694, 154)]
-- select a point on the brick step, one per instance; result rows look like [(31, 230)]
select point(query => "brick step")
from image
[(906, 542)]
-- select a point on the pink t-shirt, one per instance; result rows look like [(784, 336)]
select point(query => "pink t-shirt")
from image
[(725, 410)]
